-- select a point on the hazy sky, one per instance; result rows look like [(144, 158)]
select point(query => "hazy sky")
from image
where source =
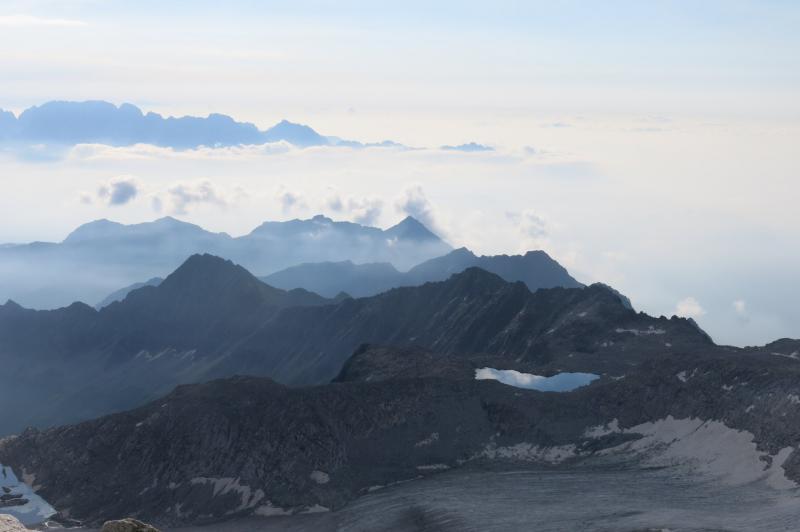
[(650, 145)]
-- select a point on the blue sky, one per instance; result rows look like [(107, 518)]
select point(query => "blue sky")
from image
[(650, 145)]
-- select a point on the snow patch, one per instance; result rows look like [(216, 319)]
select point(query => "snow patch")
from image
[(599, 431), (316, 509), (269, 510), (433, 467), (428, 441), (641, 332), (530, 453), (320, 477), (709, 448), (225, 485)]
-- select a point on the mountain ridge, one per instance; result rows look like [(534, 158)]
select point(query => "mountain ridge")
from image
[(99, 257), (212, 318)]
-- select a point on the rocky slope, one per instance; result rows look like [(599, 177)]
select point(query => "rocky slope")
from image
[(212, 319), (249, 446)]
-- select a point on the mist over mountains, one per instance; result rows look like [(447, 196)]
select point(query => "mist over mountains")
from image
[(213, 394), (101, 257)]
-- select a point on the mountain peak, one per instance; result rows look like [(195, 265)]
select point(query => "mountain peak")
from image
[(206, 265), (94, 229), (297, 134), (411, 229)]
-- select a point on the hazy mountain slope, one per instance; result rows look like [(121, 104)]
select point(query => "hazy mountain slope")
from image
[(123, 292), (536, 269), (100, 257), (332, 278), (76, 362), (247, 446), (211, 319)]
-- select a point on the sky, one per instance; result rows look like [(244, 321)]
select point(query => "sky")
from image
[(648, 145)]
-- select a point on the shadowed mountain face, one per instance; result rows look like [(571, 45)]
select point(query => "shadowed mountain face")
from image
[(536, 269), (212, 319), (100, 257), (248, 446)]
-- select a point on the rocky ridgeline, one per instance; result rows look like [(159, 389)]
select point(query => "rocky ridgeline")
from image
[(247, 446)]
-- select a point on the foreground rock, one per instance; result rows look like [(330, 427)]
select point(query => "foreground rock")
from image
[(127, 525), (10, 523), (248, 446)]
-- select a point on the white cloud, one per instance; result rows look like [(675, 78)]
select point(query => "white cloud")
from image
[(740, 307), (689, 308), (366, 210), (118, 191), (529, 223), (414, 203), (28, 21), (290, 200), (180, 196)]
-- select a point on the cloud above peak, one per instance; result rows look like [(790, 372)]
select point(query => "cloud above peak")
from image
[(114, 192), (415, 203), (119, 191)]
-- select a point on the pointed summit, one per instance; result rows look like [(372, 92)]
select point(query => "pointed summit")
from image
[(411, 229), (297, 134)]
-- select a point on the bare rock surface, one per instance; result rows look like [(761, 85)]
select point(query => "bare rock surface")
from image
[(9, 523), (127, 525)]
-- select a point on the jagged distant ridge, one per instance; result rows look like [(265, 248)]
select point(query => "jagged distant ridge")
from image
[(100, 257), (212, 318)]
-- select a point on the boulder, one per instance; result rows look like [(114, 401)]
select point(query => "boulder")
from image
[(127, 525), (9, 523)]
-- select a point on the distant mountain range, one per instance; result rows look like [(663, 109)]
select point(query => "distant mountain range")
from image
[(335, 279), (536, 269), (98, 122), (100, 257), (212, 318)]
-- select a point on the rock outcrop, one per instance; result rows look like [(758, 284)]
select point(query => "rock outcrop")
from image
[(127, 525), (10, 523)]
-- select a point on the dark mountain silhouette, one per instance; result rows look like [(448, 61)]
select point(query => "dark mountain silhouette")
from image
[(212, 318), (536, 269), (100, 257)]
